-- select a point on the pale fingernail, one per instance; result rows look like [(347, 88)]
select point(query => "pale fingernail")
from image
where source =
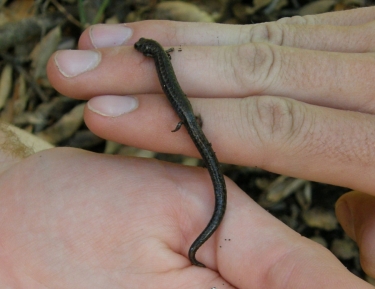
[(74, 62), (109, 35), (112, 105)]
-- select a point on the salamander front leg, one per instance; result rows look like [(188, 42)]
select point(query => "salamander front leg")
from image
[(199, 120), (168, 51)]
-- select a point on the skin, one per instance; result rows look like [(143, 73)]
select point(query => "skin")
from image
[(84, 220)]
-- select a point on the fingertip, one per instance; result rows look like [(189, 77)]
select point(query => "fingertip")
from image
[(109, 35), (64, 68), (367, 246), (344, 216), (71, 63), (53, 73), (104, 115), (356, 214), (105, 35)]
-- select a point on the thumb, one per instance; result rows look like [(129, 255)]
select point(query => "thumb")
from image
[(356, 214)]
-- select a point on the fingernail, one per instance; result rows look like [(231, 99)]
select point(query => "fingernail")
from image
[(108, 35), (112, 105), (74, 62)]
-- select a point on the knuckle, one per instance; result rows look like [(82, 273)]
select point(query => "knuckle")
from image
[(277, 121), (280, 34), (270, 32), (254, 65), (298, 20)]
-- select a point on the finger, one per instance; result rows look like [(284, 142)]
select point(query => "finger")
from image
[(348, 31), (342, 18), (328, 79), (276, 134), (284, 258), (315, 37), (355, 212)]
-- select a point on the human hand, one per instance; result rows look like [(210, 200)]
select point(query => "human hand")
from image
[(309, 129), (84, 220), (255, 99)]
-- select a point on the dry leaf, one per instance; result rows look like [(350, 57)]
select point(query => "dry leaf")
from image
[(344, 249), (5, 84), (42, 52), (20, 95), (181, 11), (65, 127), (317, 7), (18, 144), (320, 218), (281, 188), (13, 33)]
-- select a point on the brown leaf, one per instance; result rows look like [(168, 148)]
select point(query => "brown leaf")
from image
[(42, 52), (181, 11), (5, 84), (65, 127)]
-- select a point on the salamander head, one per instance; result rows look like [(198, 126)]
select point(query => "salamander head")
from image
[(147, 46)]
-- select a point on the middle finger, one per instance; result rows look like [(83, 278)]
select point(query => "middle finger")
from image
[(323, 78)]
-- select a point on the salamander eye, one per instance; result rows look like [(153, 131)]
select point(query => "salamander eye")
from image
[(137, 45)]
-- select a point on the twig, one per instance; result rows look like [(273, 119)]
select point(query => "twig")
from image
[(68, 16), (17, 65), (82, 14)]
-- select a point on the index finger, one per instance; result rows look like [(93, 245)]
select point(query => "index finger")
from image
[(302, 32)]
